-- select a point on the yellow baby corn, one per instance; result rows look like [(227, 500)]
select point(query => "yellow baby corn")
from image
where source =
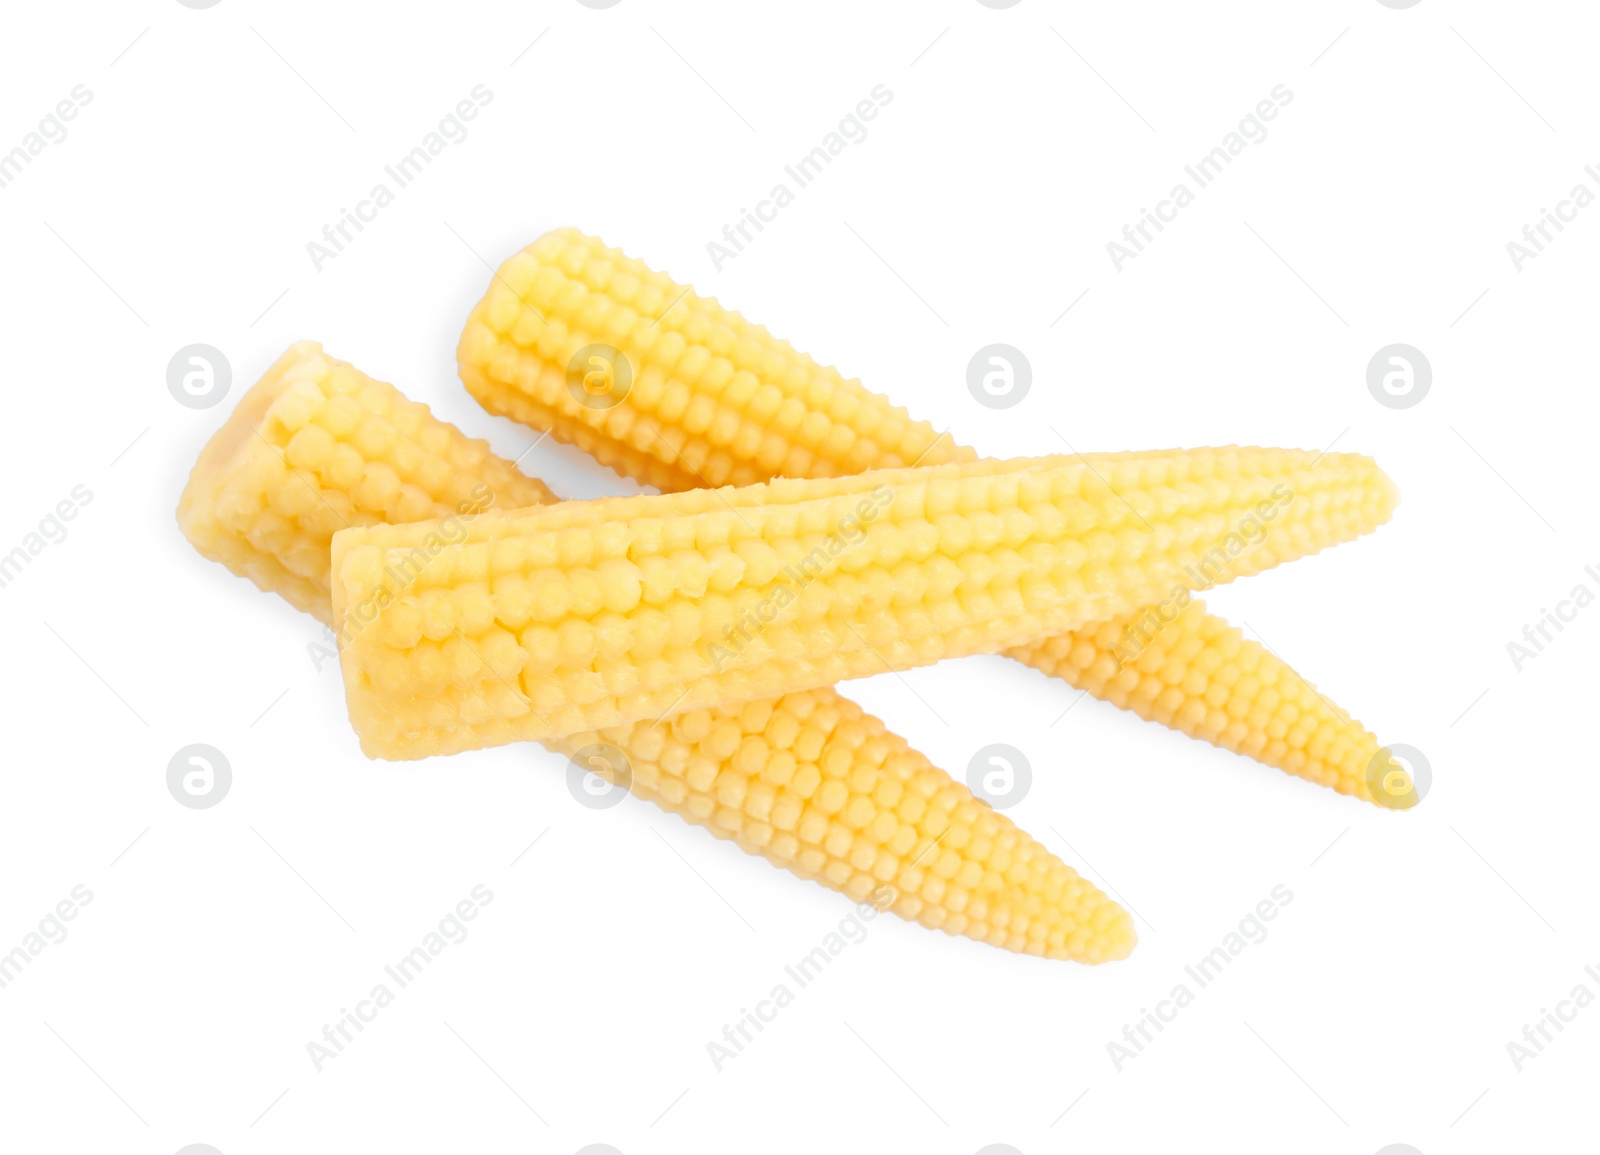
[(570, 329), (808, 781), (712, 399), (1197, 674), (571, 617), (816, 786), (317, 446)]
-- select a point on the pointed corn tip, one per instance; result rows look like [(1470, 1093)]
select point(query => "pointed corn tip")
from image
[(1392, 782), (1103, 931), (1360, 465), (1391, 492), (1116, 941), (1121, 936)]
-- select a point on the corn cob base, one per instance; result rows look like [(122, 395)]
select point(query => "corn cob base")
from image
[(318, 446)]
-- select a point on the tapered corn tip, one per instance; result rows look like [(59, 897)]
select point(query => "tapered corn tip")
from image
[(1393, 784), (1175, 664), (1387, 497), (1065, 917), (1116, 939), (815, 785), (1391, 492), (1385, 493)]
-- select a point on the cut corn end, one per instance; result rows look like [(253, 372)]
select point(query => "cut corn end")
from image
[(316, 446)]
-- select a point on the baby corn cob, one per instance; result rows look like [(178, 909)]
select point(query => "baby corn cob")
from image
[(318, 446), (1198, 675), (539, 623), (808, 781), (711, 399), (717, 400), (814, 785)]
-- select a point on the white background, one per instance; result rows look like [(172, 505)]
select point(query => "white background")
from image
[(1018, 143)]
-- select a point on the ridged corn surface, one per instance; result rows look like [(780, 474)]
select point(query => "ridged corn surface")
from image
[(588, 614), (711, 399), (820, 788), (1192, 671), (717, 400), (317, 446), (808, 781)]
